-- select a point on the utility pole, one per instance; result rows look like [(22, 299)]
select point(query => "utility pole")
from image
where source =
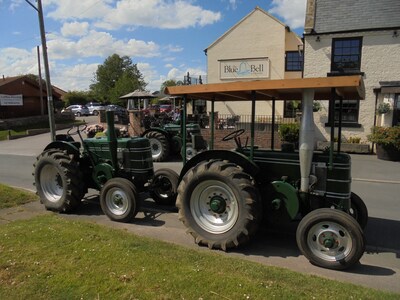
[(40, 82), (50, 104)]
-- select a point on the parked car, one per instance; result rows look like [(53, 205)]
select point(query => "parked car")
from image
[(118, 110), (95, 108), (166, 108), (77, 110)]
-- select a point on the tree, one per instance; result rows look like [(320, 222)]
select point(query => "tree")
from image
[(76, 97), (169, 82), (116, 77)]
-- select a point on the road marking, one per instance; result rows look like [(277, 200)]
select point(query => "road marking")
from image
[(377, 180)]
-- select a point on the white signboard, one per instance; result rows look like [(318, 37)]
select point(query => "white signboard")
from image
[(247, 68), (11, 100)]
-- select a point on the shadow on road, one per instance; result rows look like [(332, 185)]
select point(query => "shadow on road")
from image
[(272, 240)]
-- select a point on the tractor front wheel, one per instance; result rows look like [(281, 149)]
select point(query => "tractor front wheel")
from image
[(164, 186), (219, 204), (58, 180), (159, 145), (119, 199), (330, 238)]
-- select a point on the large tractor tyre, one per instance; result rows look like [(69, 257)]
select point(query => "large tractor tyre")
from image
[(358, 210), (119, 200), (58, 180), (219, 204), (164, 187), (330, 238), (159, 145)]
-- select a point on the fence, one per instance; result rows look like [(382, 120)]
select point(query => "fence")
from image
[(227, 123)]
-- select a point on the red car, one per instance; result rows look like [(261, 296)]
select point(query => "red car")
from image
[(166, 108)]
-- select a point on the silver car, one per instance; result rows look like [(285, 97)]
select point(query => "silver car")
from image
[(77, 110), (95, 108)]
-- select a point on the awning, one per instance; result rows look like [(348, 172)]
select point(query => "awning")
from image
[(347, 87)]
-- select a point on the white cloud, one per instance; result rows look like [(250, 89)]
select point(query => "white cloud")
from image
[(291, 11), (175, 48), (74, 78), (99, 44), (149, 13), (15, 61), (75, 29)]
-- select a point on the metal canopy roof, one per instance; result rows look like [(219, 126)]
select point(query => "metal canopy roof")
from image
[(347, 87)]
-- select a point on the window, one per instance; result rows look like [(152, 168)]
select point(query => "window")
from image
[(290, 108), (396, 110), (294, 61), (350, 110), (346, 54)]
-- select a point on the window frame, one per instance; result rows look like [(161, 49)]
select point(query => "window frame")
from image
[(335, 49), (300, 61), (345, 123)]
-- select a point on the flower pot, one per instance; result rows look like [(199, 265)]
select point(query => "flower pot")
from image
[(387, 152), (288, 147)]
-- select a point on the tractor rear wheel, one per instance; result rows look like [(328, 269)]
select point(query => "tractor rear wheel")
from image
[(164, 186), (119, 199), (219, 204), (330, 238), (58, 180), (358, 210), (159, 145)]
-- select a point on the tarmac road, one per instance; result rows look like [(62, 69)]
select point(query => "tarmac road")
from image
[(376, 181)]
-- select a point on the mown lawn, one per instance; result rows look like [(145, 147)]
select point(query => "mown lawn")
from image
[(22, 130), (49, 257), (10, 197)]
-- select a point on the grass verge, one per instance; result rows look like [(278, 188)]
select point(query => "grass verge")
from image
[(22, 130), (49, 257), (10, 197)]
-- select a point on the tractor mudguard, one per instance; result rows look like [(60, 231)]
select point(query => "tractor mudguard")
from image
[(241, 160), (70, 147), (102, 173), (288, 194)]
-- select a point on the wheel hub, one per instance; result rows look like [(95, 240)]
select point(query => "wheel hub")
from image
[(117, 200), (218, 204), (329, 241)]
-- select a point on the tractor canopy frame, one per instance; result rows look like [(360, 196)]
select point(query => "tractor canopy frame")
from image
[(308, 89)]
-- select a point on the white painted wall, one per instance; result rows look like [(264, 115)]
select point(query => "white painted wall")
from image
[(380, 61)]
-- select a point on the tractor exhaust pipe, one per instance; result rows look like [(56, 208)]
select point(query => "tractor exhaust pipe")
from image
[(307, 132)]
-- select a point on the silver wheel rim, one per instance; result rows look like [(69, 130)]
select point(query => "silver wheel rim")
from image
[(329, 241), (216, 222), (117, 201), (156, 148), (51, 183), (164, 190)]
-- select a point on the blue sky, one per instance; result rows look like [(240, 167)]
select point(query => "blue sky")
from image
[(165, 38)]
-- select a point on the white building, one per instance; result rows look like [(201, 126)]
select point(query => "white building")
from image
[(355, 37), (258, 47)]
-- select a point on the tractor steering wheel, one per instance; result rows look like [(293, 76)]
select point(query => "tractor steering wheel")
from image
[(76, 129), (234, 135)]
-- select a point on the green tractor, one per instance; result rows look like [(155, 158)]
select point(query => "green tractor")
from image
[(167, 140), (224, 195), (119, 169)]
